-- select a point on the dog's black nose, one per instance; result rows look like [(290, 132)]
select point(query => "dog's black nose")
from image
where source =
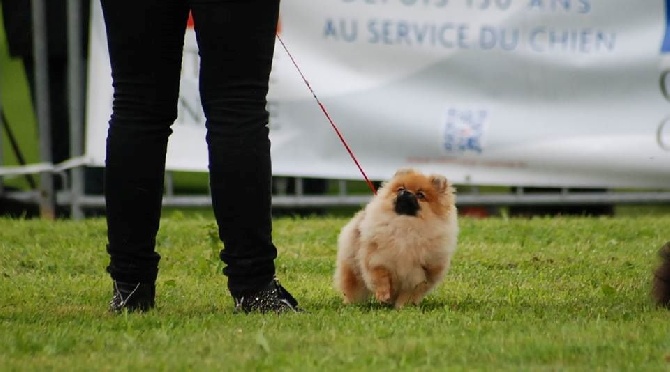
[(406, 203)]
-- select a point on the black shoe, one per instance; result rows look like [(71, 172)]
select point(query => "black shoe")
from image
[(132, 297), (273, 298), (661, 280)]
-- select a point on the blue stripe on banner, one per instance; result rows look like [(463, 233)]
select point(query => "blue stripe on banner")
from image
[(666, 40)]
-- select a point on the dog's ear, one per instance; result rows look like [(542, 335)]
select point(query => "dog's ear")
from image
[(439, 182), (402, 171)]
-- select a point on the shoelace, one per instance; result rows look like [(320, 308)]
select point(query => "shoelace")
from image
[(118, 292)]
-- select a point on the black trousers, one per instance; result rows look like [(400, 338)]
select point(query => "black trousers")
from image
[(236, 45)]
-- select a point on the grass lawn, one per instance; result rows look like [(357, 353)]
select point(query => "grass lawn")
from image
[(523, 294)]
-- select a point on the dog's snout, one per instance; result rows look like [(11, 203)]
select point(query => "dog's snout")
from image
[(406, 203)]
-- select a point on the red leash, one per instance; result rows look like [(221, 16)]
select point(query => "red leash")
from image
[(325, 112)]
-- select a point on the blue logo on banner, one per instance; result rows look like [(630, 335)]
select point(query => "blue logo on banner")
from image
[(665, 48), (463, 130)]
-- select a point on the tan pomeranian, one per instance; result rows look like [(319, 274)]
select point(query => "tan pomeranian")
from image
[(399, 247)]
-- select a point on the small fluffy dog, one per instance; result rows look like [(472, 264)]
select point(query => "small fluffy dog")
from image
[(399, 247)]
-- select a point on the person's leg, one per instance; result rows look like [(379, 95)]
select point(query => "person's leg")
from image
[(59, 116), (236, 44), (145, 40)]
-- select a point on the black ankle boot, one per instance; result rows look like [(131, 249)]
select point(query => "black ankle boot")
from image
[(272, 298), (132, 297)]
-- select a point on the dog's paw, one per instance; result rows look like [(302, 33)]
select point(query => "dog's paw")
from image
[(383, 295), (419, 292)]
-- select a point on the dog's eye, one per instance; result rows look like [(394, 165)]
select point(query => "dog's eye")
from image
[(401, 189), (420, 195)]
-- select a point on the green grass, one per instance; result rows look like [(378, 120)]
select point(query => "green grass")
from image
[(523, 294)]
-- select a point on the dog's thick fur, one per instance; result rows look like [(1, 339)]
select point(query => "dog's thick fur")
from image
[(661, 280), (399, 254)]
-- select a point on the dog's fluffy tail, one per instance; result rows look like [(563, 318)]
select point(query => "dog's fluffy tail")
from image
[(661, 281)]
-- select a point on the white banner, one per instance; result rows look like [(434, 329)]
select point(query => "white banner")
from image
[(487, 92)]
